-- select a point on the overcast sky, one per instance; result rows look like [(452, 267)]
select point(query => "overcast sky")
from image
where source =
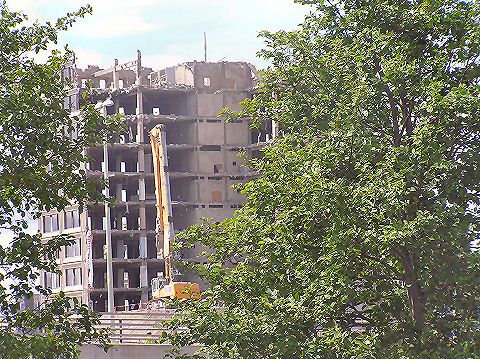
[(167, 31)]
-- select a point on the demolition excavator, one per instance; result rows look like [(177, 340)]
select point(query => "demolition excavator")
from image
[(164, 287)]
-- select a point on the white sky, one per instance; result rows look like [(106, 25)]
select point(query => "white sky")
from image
[(167, 32)]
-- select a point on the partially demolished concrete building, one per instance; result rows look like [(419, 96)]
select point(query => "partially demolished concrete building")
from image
[(204, 162)]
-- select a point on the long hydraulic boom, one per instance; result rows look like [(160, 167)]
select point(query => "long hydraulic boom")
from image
[(165, 220), (162, 192)]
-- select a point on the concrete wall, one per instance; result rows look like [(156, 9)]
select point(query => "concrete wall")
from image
[(232, 99), (207, 189), (235, 163), (184, 75), (223, 75), (237, 133), (207, 159), (209, 105), (129, 351), (210, 133)]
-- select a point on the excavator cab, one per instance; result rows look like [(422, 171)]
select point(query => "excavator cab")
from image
[(180, 290), (157, 283), (161, 289)]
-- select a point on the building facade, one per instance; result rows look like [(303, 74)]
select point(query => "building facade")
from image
[(205, 160)]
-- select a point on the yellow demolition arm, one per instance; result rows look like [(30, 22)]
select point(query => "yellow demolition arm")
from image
[(162, 192), (165, 217)]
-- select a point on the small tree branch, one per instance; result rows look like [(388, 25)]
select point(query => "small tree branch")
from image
[(399, 275), (393, 105)]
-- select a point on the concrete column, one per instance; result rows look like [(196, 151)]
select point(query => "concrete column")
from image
[(143, 218), (225, 158), (138, 73), (118, 191), (141, 188), (142, 245), (120, 249), (140, 138), (115, 75), (144, 297), (141, 160), (143, 276), (197, 162)]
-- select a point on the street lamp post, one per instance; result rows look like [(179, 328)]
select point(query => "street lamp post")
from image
[(108, 230)]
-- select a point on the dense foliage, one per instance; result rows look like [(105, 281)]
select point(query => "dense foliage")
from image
[(39, 170), (356, 240)]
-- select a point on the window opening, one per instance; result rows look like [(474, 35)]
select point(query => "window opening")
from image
[(215, 206), (73, 276), (72, 219), (210, 148), (73, 250)]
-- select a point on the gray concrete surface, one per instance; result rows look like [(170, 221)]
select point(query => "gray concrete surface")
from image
[(129, 351)]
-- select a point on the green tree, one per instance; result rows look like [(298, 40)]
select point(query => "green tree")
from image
[(39, 170), (356, 241)]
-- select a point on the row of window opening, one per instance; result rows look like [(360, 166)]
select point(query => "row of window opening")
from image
[(73, 277), (51, 222)]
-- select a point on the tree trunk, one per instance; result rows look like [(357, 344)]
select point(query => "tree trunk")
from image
[(416, 300)]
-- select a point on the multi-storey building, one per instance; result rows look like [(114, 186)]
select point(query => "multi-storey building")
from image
[(205, 160)]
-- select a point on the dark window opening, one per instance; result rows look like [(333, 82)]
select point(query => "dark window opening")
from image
[(210, 148), (216, 168), (215, 206)]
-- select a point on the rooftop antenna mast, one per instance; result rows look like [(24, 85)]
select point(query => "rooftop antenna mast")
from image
[(205, 44)]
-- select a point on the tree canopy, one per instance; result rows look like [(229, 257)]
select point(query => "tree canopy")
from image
[(39, 170), (356, 240)]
